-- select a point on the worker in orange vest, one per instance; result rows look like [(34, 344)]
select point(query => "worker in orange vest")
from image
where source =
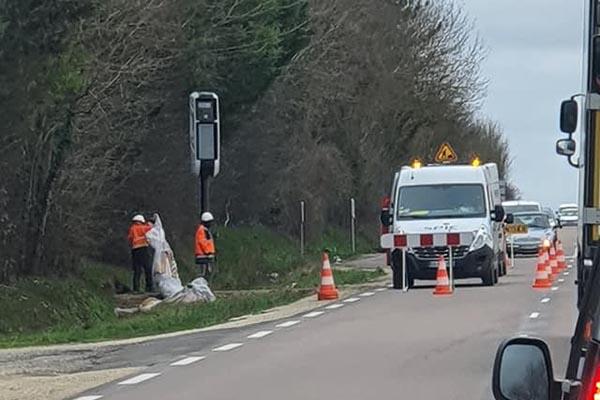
[(140, 251), (205, 246)]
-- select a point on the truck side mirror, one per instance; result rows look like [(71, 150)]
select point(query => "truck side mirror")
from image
[(523, 370), (566, 147), (568, 116)]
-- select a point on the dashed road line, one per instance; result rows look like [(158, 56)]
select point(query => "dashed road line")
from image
[(561, 280), (259, 334), (351, 300), (534, 315), (381, 289), (366, 294), (545, 299), (89, 398), (139, 379), (313, 314), (187, 361), (228, 347), (566, 273), (287, 324), (334, 306), (554, 288)]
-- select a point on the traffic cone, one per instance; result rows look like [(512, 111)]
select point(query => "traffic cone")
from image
[(442, 287), (542, 279), (560, 256), (554, 263), (327, 290), (547, 265)]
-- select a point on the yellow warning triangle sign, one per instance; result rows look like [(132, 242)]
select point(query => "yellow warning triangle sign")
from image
[(445, 154)]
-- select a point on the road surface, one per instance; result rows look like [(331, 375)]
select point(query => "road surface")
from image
[(382, 343)]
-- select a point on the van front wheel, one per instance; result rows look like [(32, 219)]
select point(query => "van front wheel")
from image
[(489, 277)]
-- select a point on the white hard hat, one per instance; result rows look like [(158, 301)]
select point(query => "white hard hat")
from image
[(139, 218), (207, 217)]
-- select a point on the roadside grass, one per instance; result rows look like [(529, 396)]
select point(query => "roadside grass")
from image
[(80, 308), (163, 319)]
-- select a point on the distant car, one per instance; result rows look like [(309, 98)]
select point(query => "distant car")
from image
[(540, 233), (569, 214), (554, 220), (519, 206)]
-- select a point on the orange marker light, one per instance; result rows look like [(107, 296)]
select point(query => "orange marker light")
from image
[(416, 164), (476, 162)]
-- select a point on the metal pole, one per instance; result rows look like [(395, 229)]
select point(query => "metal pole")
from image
[(353, 223), (204, 194), (302, 215), (512, 251), (451, 267), (404, 271)]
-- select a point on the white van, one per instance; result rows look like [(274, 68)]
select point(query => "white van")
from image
[(568, 214), (448, 199)]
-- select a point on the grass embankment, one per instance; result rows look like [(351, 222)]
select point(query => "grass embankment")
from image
[(81, 308)]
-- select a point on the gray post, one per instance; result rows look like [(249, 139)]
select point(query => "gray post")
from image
[(302, 220), (404, 271), (451, 267), (353, 223)]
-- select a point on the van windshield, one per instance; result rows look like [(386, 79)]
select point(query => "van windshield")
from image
[(568, 212), (441, 201)]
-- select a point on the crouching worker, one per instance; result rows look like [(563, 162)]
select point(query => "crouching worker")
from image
[(140, 252), (205, 246)]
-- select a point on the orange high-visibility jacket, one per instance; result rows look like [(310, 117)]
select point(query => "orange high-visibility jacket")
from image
[(205, 245), (137, 235)]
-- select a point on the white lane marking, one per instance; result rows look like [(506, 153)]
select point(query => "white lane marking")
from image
[(138, 379), (554, 288), (570, 266), (287, 324), (366, 294), (313, 314), (545, 299), (228, 347), (351, 300), (534, 315), (259, 334), (561, 280), (89, 398), (334, 306), (566, 273), (187, 361), (381, 289), (390, 285)]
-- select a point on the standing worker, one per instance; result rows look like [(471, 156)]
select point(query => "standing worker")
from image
[(140, 252), (205, 246)]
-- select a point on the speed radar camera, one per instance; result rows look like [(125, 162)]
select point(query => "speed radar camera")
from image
[(205, 134)]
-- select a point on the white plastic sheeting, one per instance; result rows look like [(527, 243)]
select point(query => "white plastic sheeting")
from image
[(164, 271)]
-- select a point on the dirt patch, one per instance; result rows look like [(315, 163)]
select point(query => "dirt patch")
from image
[(57, 387)]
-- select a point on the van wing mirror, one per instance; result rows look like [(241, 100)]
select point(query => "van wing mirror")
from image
[(510, 219), (498, 214), (386, 217), (523, 370), (566, 147), (568, 116)]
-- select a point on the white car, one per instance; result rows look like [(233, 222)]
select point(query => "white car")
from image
[(520, 206), (568, 214)]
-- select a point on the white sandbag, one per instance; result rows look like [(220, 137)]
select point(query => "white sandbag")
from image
[(200, 286), (168, 286)]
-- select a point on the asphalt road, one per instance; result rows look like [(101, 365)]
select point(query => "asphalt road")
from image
[(387, 343)]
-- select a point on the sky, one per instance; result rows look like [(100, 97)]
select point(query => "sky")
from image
[(534, 57)]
